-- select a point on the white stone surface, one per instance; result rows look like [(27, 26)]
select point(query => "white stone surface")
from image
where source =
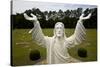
[(57, 45)]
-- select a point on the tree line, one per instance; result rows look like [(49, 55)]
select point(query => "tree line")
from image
[(48, 19)]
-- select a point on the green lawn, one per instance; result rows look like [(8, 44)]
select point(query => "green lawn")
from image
[(22, 44)]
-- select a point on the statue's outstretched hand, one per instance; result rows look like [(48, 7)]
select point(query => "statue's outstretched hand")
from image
[(89, 15), (84, 18), (33, 18)]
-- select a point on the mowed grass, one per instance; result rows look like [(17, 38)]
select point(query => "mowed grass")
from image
[(22, 44)]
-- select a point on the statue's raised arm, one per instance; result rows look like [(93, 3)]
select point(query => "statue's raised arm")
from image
[(33, 18), (36, 31), (84, 18), (79, 33)]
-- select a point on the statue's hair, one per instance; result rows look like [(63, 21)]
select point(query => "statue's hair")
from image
[(59, 23)]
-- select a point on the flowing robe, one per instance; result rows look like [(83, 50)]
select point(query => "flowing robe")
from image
[(57, 52)]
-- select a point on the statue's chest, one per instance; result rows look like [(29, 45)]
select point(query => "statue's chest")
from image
[(60, 46)]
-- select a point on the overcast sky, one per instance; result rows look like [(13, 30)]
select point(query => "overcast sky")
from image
[(21, 6)]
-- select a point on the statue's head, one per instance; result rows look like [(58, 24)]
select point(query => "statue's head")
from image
[(59, 29)]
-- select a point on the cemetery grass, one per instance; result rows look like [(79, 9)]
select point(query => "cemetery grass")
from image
[(22, 44)]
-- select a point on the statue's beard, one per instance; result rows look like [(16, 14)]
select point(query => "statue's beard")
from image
[(59, 35)]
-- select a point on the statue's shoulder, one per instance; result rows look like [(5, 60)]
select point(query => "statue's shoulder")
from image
[(48, 38)]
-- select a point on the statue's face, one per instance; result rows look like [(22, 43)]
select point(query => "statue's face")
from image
[(59, 30)]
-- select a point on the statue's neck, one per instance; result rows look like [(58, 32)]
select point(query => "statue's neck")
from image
[(59, 39)]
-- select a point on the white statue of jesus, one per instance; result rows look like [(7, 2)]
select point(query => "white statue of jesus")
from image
[(57, 45)]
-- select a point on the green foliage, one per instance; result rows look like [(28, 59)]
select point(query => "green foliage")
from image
[(34, 55), (68, 17), (82, 52)]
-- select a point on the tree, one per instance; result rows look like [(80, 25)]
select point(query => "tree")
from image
[(48, 19)]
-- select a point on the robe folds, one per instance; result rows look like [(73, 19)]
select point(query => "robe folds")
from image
[(58, 52)]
